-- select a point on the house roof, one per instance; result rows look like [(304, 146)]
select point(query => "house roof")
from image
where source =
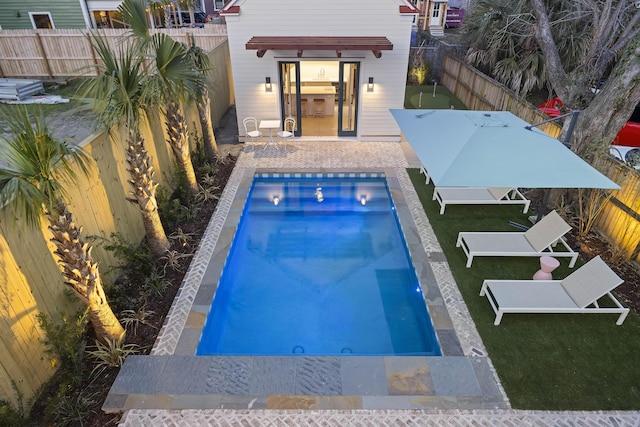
[(300, 44), (232, 7)]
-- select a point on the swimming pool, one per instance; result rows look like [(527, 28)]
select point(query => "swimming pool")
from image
[(318, 266)]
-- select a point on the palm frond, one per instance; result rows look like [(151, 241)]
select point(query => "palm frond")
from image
[(176, 78), (199, 57), (116, 93), (135, 15), (21, 195), (36, 165)]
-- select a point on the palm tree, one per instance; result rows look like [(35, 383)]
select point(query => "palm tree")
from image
[(119, 95), (174, 79), (202, 63), (167, 6), (502, 43), (31, 179), (178, 83)]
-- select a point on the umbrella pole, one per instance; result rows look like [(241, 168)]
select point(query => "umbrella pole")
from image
[(567, 142), (543, 204)]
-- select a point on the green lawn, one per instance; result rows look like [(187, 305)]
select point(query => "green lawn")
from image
[(549, 362), (443, 99)]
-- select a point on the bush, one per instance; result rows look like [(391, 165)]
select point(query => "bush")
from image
[(65, 343)]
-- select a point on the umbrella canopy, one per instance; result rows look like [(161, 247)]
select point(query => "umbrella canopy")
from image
[(464, 148)]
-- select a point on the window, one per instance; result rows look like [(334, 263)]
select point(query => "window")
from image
[(436, 10), (41, 20), (108, 19)]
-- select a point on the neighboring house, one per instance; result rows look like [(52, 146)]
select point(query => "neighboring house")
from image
[(432, 16), (337, 67), (27, 14), (64, 14), (212, 7)]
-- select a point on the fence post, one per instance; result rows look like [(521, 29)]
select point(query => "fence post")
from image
[(44, 56), (93, 53)]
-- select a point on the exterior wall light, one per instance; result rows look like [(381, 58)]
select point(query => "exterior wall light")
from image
[(370, 85), (267, 84)]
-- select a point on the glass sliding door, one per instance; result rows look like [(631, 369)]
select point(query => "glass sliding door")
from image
[(311, 90), (348, 98), (290, 84)]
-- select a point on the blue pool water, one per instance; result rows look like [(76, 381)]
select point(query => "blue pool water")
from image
[(318, 266)]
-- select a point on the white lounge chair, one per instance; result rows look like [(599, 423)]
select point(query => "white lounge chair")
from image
[(539, 240), (479, 196), (424, 171), (578, 293)]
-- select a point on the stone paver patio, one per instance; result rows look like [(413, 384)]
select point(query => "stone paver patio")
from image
[(173, 387)]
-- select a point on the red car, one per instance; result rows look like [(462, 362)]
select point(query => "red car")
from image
[(625, 146)]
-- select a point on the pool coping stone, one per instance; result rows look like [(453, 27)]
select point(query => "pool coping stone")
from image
[(317, 376)]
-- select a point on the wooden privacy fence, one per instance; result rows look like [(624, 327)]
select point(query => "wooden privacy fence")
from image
[(620, 217), (480, 92), (59, 54), (30, 280)]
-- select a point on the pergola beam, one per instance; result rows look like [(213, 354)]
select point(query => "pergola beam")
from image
[(375, 44)]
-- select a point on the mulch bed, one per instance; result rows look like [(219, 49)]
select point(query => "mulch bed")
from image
[(595, 244), (98, 386)]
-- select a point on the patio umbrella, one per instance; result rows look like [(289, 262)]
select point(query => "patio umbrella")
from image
[(464, 148)]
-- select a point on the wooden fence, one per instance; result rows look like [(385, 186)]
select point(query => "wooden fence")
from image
[(30, 280), (619, 219), (59, 54)]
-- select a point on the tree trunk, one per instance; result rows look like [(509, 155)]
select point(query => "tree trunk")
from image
[(204, 113), (81, 273), (599, 123), (555, 69), (608, 110), (144, 194), (178, 135), (167, 16)]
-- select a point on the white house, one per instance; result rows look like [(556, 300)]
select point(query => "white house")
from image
[(336, 66)]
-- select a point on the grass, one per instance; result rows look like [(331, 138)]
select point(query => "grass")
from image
[(444, 99), (545, 362)]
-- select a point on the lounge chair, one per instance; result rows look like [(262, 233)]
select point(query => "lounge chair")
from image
[(426, 175), (539, 240), (578, 293), (479, 196)]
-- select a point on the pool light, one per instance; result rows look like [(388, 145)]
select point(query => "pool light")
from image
[(363, 200), (276, 200), (319, 195)]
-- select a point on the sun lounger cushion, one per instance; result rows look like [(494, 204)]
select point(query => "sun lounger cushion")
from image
[(577, 293), (539, 240), (547, 231), (479, 196), (590, 282)]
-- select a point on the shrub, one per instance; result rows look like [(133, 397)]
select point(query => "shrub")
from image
[(65, 342)]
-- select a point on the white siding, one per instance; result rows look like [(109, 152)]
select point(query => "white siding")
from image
[(326, 18)]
